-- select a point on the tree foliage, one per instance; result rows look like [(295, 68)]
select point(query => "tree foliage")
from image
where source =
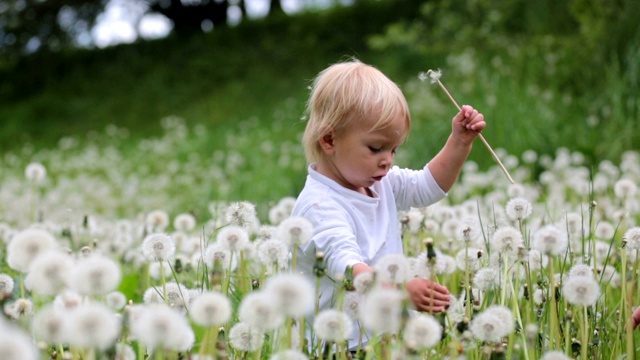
[(30, 25)]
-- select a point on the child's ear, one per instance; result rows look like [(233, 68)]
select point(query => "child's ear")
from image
[(326, 142)]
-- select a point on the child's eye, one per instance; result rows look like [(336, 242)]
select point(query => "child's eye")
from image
[(374, 150)]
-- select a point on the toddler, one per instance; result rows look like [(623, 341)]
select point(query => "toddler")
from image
[(357, 119)]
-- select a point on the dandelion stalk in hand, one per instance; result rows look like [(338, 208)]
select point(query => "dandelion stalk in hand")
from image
[(434, 76)]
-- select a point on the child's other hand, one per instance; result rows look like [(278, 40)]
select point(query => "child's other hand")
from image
[(427, 295), (467, 124), (636, 317)]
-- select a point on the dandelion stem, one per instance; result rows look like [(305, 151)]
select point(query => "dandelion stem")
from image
[(484, 141), (554, 331), (584, 349)]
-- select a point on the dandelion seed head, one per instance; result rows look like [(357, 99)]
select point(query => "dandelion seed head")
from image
[(26, 245), (487, 278), (157, 268), (468, 258), (95, 275), (392, 268), (609, 276), (632, 237), (15, 344), (605, 230), (574, 223), (364, 282), (625, 188), (257, 311), (288, 355), (539, 296), (550, 240), (160, 327), (158, 246), (210, 309), (333, 325), (115, 300), (581, 290), (35, 173), (537, 260), (6, 285), (295, 230), (351, 305), (518, 208), (432, 75), (243, 337), (18, 309), (381, 310), (49, 273), (68, 300), (421, 332), (241, 214), (292, 294), (184, 222), (468, 230), (124, 352), (177, 295), (157, 220), (493, 324), (506, 240), (92, 325), (48, 324), (273, 252), (603, 251), (233, 238), (217, 253)]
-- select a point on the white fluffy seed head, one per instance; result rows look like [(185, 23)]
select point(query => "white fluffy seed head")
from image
[(243, 337), (421, 332), (26, 245), (295, 230), (381, 310), (49, 273), (233, 238), (95, 275), (35, 173), (292, 294), (48, 324), (333, 325), (257, 310), (158, 246), (581, 290), (92, 325), (6, 285), (550, 240), (210, 309), (518, 208), (184, 222), (392, 268)]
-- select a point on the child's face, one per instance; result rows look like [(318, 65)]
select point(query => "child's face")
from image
[(358, 158)]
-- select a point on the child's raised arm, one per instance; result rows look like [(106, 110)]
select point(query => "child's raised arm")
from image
[(448, 163)]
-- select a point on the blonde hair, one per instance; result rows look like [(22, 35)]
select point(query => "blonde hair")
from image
[(349, 92)]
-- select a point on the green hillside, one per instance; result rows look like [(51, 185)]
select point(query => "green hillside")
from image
[(218, 78)]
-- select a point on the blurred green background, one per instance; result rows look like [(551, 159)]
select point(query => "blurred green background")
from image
[(547, 75)]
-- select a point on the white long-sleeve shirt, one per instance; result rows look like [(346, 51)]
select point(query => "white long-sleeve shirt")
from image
[(351, 228)]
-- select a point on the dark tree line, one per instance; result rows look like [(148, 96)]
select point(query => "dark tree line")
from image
[(34, 25)]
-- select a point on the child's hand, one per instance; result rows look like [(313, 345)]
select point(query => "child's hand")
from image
[(427, 295), (467, 124), (636, 317)]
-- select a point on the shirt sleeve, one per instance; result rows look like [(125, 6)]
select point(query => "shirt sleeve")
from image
[(334, 235), (415, 188)]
